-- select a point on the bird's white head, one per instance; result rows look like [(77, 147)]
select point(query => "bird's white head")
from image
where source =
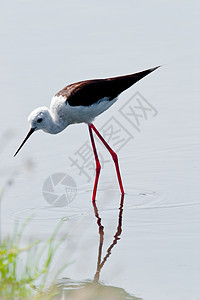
[(39, 118)]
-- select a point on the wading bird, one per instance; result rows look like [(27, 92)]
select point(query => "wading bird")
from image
[(81, 102)]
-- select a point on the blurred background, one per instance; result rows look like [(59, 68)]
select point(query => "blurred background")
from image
[(46, 45)]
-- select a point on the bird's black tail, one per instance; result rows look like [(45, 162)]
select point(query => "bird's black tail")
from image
[(88, 92), (121, 83)]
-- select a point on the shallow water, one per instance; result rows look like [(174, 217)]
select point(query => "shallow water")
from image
[(46, 46)]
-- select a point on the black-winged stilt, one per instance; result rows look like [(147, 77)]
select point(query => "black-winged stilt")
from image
[(81, 102)]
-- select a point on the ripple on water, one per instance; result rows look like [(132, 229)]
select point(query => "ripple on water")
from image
[(135, 198), (107, 200), (46, 213), (92, 290)]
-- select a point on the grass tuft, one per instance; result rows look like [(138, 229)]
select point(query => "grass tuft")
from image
[(24, 270)]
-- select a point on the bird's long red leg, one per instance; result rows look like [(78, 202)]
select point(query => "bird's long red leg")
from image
[(114, 157), (98, 166)]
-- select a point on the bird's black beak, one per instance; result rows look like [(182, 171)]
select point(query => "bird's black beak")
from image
[(24, 141)]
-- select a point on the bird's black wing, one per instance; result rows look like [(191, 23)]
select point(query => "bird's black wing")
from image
[(88, 92)]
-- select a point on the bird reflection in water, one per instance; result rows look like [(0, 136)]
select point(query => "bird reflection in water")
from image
[(100, 263), (94, 289)]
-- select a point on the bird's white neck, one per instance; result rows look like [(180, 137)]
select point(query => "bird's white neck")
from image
[(54, 124)]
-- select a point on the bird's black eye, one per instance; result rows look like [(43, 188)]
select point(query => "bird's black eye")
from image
[(39, 120)]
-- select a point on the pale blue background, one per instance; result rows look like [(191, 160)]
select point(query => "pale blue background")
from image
[(46, 45)]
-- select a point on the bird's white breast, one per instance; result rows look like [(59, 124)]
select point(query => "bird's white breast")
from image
[(63, 112)]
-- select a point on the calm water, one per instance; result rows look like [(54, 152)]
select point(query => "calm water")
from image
[(151, 242)]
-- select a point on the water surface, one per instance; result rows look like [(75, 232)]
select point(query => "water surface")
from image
[(47, 45)]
